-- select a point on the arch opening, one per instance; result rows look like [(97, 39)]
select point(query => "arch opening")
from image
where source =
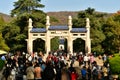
[(38, 45), (79, 45)]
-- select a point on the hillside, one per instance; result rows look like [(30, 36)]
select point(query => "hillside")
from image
[(62, 16), (6, 17)]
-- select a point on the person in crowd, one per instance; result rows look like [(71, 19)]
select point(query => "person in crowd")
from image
[(13, 73), (71, 68), (40, 61), (74, 75), (48, 72), (3, 57), (6, 72), (37, 72), (30, 71), (104, 58), (65, 74), (89, 73), (80, 59), (83, 72), (86, 60), (95, 70), (99, 74), (105, 72), (58, 73), (92, 58)]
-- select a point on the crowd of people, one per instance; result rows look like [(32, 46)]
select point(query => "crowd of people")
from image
[(56, 66)]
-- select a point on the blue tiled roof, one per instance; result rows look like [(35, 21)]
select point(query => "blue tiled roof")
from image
[(78, 30), (38, 30), (58, 28), (43, 30)]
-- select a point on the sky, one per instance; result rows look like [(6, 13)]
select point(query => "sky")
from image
[(110, 6)]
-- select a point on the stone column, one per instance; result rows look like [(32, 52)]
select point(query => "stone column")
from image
[(47, 43), (70, 45), (30, 41), (70, 40), (88, 40), (70, 23)]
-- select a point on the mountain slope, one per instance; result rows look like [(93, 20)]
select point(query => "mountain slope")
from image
[(62, 17), (6, 17)]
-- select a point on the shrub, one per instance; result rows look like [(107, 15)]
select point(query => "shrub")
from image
[(115, 64)]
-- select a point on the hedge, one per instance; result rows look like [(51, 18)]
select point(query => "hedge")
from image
[(115, 64)]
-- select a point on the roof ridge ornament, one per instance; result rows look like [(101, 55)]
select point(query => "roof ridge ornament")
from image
[(30, 23), (47, 20), (70, 22), (87, 23)]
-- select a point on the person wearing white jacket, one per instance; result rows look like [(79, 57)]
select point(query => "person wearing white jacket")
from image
[(86, 58)]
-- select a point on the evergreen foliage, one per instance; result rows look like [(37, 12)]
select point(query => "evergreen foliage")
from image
[(112, 31), (15, 32), (3, 45), (96, 32), (115, 64)]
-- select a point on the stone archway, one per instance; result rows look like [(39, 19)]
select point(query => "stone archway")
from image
[(65, 31)]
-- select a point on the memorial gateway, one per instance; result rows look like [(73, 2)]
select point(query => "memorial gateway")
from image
[(66, 32)]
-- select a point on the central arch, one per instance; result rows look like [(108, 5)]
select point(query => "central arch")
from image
[(54, 43), (59, 44)]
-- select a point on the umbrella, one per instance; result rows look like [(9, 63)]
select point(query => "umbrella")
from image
[(3, 52)]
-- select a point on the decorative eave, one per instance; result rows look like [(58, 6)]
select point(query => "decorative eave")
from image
[(58, 28), (38, 30), (78, 30)]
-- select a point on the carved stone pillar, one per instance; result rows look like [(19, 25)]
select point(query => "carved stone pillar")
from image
[(30, 41), (48, 49), (88, 40)]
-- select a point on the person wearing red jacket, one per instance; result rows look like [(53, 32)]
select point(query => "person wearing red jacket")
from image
[(74, 75)]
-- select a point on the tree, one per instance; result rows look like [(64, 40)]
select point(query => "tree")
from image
[(26, 6), (90, 10), (25, 9), (3, 45), (112, 31), (96, 32), (15, 32), (97, 35), (12, 36)]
